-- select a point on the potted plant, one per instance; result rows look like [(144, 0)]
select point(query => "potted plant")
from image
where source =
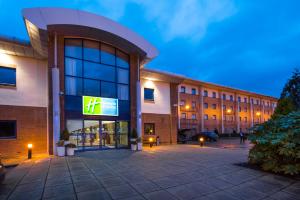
[(133, 138), (139, 144), (70, 149), (65, 136), (60, 147)]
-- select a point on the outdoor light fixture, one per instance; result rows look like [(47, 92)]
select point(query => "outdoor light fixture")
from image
[(151, 141), (29, 146), (201, 140), (229, 111), (258, 113), (187, 107)]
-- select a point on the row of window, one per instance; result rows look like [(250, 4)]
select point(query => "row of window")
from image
[(224, 96), (213, 117)]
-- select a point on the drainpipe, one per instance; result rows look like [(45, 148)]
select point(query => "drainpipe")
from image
[(138, 102), (55, 96)]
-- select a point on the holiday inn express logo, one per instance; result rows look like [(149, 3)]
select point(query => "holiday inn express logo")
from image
[(99, 106)]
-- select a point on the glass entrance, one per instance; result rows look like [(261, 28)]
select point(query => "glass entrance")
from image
[(96, 134)]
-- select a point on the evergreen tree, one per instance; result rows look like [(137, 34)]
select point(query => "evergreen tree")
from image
[(290, 96)]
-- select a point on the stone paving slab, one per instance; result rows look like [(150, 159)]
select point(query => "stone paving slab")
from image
[(164, 172)]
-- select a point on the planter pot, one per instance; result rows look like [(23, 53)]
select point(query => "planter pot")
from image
[(133, 147), (139, 146), (132, 139), (67, 142), (70, 151), (60, 151)]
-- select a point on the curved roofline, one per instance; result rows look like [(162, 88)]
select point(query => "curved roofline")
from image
[(40, 18)]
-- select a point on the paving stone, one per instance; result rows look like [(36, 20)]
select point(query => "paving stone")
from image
[(90, 185), (58, 191), (58, 181), (246, 193), (95, 194), (159, 195), (122, 191), (32, 194), (145, 187), (285, 196)]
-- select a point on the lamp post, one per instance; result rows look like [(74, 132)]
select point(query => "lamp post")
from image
[(258, 114), (201, 141), (29, 146), (151, 142), (187, 107)]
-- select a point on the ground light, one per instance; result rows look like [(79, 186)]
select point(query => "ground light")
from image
[(151, 141), (29, 146), (201, 141)]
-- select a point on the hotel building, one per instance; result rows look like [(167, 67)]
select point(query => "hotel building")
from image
[(86, 74)]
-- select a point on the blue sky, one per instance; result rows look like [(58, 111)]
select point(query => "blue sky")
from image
[(247, 44)]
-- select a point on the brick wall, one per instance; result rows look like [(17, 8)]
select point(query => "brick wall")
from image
[(31, 128)]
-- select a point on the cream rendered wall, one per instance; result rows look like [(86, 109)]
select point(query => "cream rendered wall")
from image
[(32, 82), (161, 104)]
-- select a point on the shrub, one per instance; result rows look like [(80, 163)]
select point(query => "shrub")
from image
[(277, 144), (64, 135), (70, 145)]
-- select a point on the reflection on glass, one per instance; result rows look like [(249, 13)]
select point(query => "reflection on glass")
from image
[(91, 133), (123, 76), (74, 127), (122, 59), (123, 92), (122, 133), (91, 50), (108, 134), (73, 48), (91, 87), (99, 71), (107, 54), (73, 86), (73, 67), (108, 89)]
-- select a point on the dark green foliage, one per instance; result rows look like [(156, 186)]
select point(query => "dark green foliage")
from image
[(277, 141), (290, 96), (277, 144), (64, 135), (133, 134)]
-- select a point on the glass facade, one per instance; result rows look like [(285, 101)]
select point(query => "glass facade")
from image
[(94, 68)]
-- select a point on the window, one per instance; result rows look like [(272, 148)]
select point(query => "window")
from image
[(182, 102), (8, 129), (73, 86), (73, 67), (109, 90), (91, 87), (231, 107), (182, 89), (149, 128), (205, 93), (214, 106), (193, 104), (245, 119), (231, 98), (122, 59), (245, 109), (224, 96), (107, 54), (193, 116), (91, 50), (206, 117), (205, 105), (214, 117), (7, 76), (251, 101), (214, 95), (257, 102), (193, 91), (224, 107), (240, 109), (123, 92), (73, 48), (183, 115), (123, 76), (245, 100), (99, 71), (239, 99), (148, 94)]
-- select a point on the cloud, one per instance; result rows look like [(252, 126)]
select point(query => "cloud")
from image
[(188, 19)]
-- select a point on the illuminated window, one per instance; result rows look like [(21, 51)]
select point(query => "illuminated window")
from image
[(183, 115), (182, 102), (206, 117), (193, 116), (149, 128), (214, 117), (193, 104)]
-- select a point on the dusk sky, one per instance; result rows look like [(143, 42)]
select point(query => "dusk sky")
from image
[(247, 44)]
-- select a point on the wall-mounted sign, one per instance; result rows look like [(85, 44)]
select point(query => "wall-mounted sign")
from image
[(99, 106)]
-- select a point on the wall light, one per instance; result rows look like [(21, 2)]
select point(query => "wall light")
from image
[(151, 141), (187, 107), (29, 146), (258, 113), (228, 110)]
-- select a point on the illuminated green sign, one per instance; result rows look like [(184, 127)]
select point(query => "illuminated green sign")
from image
[(99, 106)]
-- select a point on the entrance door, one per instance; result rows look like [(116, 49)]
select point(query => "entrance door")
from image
[(91, 137), (108, 134)]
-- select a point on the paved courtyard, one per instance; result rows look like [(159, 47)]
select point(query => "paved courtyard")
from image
[(165, 172)]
